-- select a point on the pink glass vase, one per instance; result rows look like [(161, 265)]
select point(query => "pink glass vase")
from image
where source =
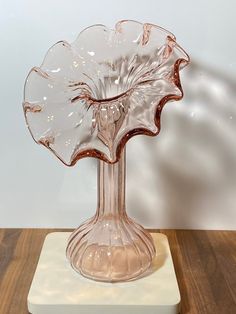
[(87, 99)]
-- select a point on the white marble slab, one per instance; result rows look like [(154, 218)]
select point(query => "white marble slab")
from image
[(58, 289)]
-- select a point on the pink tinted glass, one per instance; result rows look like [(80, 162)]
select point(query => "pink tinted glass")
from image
[(87, 99)]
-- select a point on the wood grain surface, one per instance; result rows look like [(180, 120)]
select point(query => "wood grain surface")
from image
[(205, 264)]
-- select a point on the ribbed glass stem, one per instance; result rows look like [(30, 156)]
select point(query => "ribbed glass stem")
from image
[(111, 246), (111, 188)]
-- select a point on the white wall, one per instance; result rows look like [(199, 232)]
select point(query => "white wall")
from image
[(185, 178)]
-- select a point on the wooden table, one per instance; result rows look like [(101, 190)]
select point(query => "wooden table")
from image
[(205, 263)]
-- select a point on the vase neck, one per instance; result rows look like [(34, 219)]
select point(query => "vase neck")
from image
[(111, 188)]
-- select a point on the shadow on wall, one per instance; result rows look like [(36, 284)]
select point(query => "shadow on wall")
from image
[(186, 177)]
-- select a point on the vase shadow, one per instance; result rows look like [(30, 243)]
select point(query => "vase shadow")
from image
[(188, 174), (189, 170)]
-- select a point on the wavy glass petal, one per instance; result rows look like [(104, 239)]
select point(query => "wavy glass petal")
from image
[(89, 97)]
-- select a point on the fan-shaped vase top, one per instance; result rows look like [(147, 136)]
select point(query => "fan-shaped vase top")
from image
[(87, 99)]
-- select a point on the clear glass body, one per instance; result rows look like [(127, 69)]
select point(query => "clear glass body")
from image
[(111, 246)]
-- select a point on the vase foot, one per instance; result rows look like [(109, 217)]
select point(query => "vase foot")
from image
[(110, 249)]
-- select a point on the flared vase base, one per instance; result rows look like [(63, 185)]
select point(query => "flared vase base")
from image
[(57, 289), (111, 249), (117, 272)]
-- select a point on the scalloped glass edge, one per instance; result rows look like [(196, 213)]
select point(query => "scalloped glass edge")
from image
[(179, 64)]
